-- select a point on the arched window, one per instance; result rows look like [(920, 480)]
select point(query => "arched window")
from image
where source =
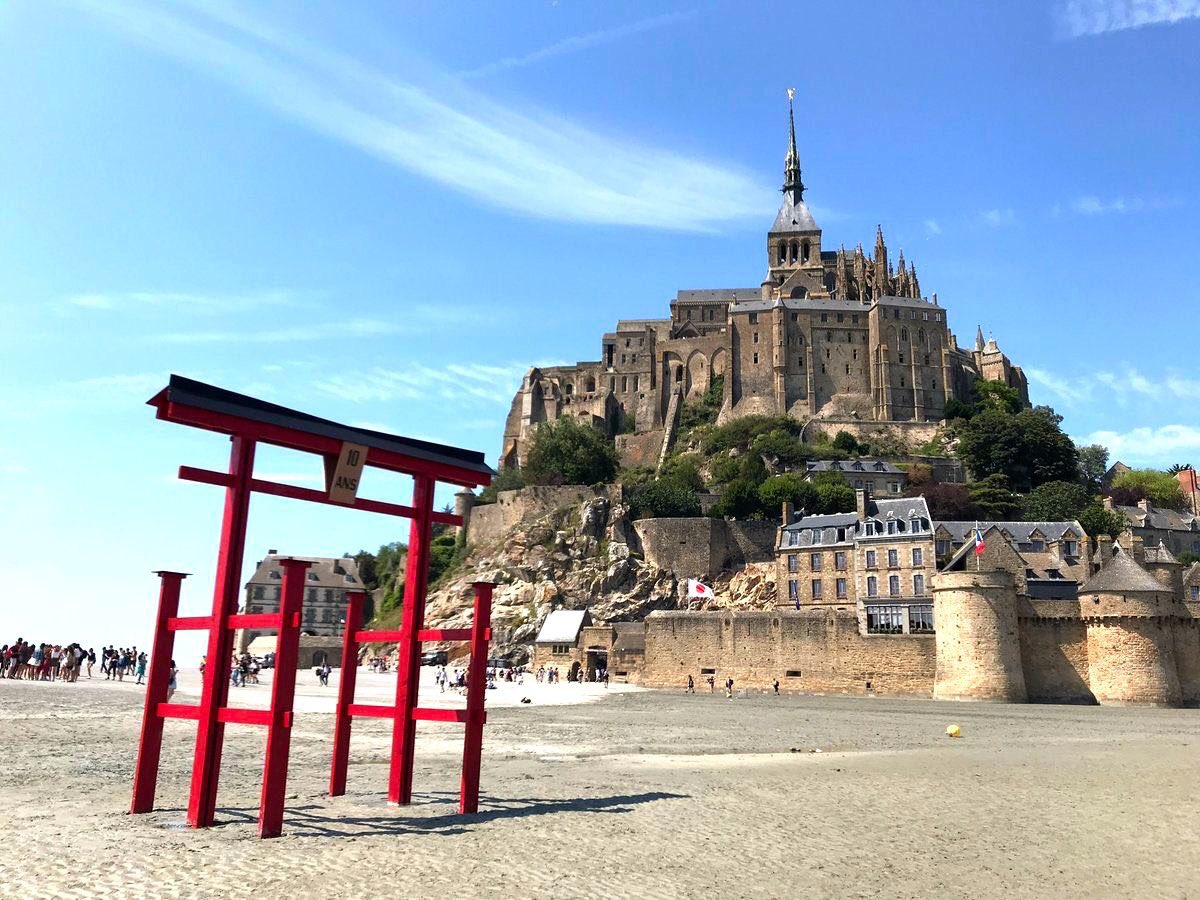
[(568, 389), (679, 374), (804, 250), (799, 293), (591, 384), (793, 251), (904, 334), (783, 251)]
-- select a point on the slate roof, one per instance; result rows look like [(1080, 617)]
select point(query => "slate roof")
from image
[(562, 626), (1160, 554), (1122, 575), (325, 572), (877, 466), (1168, 519), (793, 217), (1020, 531), (710, 295)]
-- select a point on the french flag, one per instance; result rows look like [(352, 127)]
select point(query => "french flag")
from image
[(979, 545)]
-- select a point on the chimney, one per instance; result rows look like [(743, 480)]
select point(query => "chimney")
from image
[(788, 510), (1137, 549), (1108, 504), (1103, 550), (272, 552), (1144, 505), (860, 503)]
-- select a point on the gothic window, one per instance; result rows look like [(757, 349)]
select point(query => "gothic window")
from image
[(591, 384), (782, 252), (904, 334), (568, 389), (804, 251)]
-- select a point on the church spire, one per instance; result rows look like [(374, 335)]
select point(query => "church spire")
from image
[(979, 338), (792, 183)]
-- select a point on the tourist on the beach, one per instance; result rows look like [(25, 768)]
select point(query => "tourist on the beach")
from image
[(171, 681), (141, 668), (712, 683), (691, 686), (776, 687), (91, 660), (729, 688)]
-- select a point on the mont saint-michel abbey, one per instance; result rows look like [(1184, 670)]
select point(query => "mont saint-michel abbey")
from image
[(834, 334)]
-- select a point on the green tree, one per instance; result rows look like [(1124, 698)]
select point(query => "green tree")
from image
[(844, 440), (833, 497), (683, 468), (787, 488), (567, 452), (1188, 558), (704, 412), (1028, 448), (993, 498), (1160, 488), (1096, 520), (663, 498), (1056, 501), (996, 395), (739, 500), (1093, 463)]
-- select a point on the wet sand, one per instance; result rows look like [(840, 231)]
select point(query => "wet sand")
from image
[(639, 794)]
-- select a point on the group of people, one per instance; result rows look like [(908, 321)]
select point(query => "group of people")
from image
[(27, 661), (45, 662), (551, 675)]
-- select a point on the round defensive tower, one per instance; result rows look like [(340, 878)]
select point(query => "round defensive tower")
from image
[(978, 646), (1131, 622)]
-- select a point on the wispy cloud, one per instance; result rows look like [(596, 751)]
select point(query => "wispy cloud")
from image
[(529, 161), (998, 217), (932, 228), (1079, 18), (1146, 444), (1090, 205), (417, 320), (491, 384), (183, 301), (1128, 385), (579, 42)]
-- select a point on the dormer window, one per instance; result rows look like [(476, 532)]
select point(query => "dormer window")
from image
[(274, 575)]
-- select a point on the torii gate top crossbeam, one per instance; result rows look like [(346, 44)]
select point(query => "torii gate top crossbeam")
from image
[(201, 405)]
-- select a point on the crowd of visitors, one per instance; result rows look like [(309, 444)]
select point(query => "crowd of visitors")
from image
[(27, 661)]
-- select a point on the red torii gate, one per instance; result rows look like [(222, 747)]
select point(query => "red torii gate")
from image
[(345, 451)]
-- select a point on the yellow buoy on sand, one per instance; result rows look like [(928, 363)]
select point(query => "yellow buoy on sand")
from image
[(953, 731)]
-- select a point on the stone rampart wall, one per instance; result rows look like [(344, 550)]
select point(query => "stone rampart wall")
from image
[(812, 651), (492, 521), (699, 547), (913, 432), (640, 449), (1054, 656)]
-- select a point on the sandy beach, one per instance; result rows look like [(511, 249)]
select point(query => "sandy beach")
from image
[(634, 793)]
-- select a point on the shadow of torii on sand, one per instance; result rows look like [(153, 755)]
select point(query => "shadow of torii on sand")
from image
[(313, 820)]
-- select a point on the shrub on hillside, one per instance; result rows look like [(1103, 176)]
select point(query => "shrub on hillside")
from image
[(567, 452)]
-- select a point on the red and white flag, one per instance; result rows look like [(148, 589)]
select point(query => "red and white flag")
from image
[(698, 589)]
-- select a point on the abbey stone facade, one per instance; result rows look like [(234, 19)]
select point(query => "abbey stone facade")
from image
[(831, 334)]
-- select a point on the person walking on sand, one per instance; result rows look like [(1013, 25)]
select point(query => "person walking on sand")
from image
[(91, 660), (141, 668), (691, 687), (729, 688), (171, 681), (776, 687), (712, 684)]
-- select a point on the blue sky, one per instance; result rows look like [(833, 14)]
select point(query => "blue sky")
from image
[(384, 213)]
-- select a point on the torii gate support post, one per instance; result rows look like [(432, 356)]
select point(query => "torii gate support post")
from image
[(145, 772), (468, 800), (206, 768), (283, 689), (348, 677), (408, 674)]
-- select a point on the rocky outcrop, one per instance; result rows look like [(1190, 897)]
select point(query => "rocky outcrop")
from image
[(586, 554)]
